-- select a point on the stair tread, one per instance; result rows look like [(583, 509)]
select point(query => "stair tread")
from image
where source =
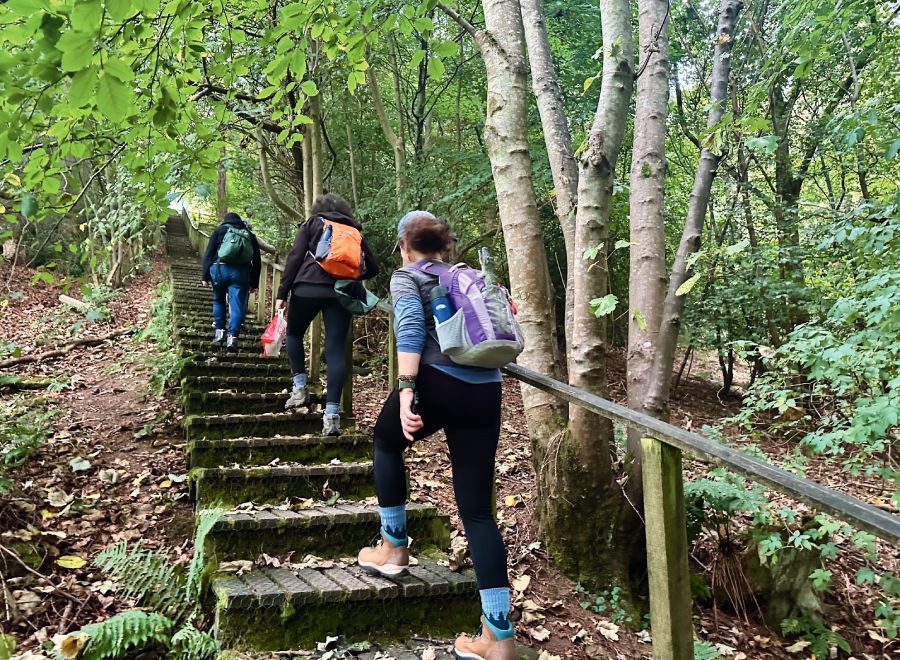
[(272, 587), (267, 471), (310, 439), (318, 515)]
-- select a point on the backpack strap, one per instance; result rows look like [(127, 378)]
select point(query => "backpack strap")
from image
[(440, 270)]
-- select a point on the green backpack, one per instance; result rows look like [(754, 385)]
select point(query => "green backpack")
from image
[(236, 247)]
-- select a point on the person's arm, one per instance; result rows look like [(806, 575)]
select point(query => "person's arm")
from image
[(212, 248), (409, 327), (372, 267), (293, 263)]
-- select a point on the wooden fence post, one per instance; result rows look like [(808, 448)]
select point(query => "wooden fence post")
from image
[(667, 555), (392, 355), (261, 292), (315, 355), (347, 394)]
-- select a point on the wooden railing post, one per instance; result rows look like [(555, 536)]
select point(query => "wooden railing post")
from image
[(347, 393), (392, 355), (315, 355), (276, 284), (261, 293), (667, 555)]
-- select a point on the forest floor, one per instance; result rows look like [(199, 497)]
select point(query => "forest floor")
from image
[(112, 468)]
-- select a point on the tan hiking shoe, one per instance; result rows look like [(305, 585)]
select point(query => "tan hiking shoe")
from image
[(485, 646), (385, 559)]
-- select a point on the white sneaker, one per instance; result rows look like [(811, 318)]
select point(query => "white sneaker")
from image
[(219, 336), (297, 398), (331, 424)]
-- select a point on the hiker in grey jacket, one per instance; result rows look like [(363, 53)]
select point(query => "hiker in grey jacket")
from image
[(232, 265)]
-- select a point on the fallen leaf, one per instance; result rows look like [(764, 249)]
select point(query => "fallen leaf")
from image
[(540, 633), (71, 561), (511, 500), (797, 647), (108, 476), (166, 484), (79, 464), (58, 498), (521, 583), (428, 654), (546, 656), (69, 646), (609, 630)]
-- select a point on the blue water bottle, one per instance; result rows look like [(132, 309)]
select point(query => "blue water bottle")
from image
[(440, 304), (324, 245)]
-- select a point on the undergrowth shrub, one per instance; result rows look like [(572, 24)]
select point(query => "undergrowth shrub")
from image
[(171, 591), (163, 361), (24, 425)]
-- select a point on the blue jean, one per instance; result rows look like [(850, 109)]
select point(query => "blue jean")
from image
[(231, 282)]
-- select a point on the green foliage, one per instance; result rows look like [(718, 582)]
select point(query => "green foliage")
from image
[(608, 602), (24, 425), (131, 629), (821, 638), (714, 503), (192, 644), (705, 651), (164, 361)]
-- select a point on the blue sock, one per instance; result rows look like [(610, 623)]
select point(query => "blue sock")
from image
[(299, 381), (495, 607), (332, 408), (393, 524)]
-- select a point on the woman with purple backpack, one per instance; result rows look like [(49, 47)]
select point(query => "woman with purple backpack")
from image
[(429, 395)]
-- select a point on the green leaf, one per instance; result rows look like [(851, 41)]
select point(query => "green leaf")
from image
[(436, 68), (417, 57), (82, 86), (737, 248), (603, 306), (767, 143), (687, 285), (7, 646), (309, 88), (119, 69), (120, 9), (424, 24), (87, 15), (446, 49), (621, 244), (28, 205), (113, 98), (892, 149), (639, 319)]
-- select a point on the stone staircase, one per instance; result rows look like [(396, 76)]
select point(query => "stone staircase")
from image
[(248, 457)]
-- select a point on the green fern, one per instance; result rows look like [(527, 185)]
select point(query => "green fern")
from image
[(117, 635), (192, 644), (148, 576)]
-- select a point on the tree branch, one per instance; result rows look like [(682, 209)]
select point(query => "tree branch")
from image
[(267, 182)]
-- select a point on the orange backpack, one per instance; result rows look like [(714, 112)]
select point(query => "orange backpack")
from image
[(339, 251)]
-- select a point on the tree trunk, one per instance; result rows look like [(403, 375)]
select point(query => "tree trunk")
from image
[(647, 263), (395, 140), (352, 157), (587, 515), (657, 399), (221, 190), (557, 137)]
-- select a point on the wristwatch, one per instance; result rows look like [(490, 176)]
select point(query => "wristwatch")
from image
[(406, 383)]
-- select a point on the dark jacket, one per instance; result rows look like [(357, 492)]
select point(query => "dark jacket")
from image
[(301, 266), (212, 251)]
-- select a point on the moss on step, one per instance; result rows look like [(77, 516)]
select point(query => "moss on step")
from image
[(295, 450), (380, 621)]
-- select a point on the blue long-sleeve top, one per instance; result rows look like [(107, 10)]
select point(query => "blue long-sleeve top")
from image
[(410, 329)]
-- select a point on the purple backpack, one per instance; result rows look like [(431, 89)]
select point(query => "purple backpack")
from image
[(483, 331)]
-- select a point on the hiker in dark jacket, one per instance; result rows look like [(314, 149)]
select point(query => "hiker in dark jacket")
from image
[(231, 264), (311, 291)]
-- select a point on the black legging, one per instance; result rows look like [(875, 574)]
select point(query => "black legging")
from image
[(301, 312), (470, 417)]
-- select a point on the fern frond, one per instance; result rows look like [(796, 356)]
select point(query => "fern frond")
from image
[(206, 520), (118, 634), (148, 576), (192, 644)]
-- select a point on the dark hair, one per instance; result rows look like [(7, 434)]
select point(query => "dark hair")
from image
[(332, 202), (231, 217), (427, 235)]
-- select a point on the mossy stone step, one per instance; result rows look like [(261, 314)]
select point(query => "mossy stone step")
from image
[(235, 383), (245, 339), (274, 368), (325, 531), (309, 448), (223, 403), (257, 425), (276, 609), (228, 487), (210, 352), (251, 331)]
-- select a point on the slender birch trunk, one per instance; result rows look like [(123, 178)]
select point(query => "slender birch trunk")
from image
[(656, 402), (647, 263), (557, 137), (395, 140)]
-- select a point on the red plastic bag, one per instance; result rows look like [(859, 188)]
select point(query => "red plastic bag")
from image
[(273, 337)]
